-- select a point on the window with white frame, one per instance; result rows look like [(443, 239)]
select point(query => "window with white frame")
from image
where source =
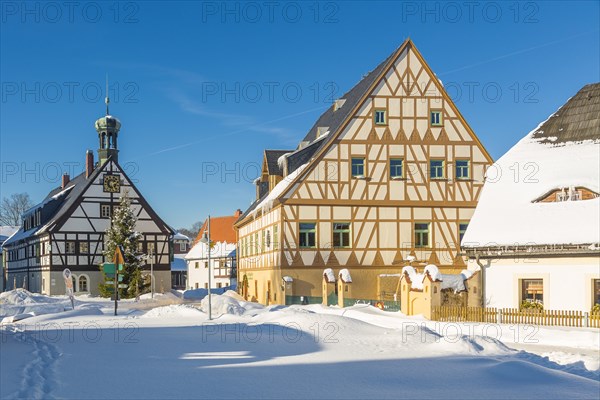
[(380, 117), (105, 210)]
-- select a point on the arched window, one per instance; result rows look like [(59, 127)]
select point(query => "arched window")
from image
[(83, 283), (74, 283)]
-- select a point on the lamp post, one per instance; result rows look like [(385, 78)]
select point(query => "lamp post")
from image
[(151, 273), (206, 240)]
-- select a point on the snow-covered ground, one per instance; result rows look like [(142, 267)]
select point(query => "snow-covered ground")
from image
[(162, 348)]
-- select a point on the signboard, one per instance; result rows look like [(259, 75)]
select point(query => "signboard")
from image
[(69, 285)]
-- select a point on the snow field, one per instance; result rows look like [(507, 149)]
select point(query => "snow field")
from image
[(252, 351)]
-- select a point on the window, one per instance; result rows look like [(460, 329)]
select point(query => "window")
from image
[(358, 167), (380, 117), (462, 228), (396, 168), (182, 246), (206, 286), (205, 264), (596, 291), (341, 234), (436, 169), (105, 210), (70, 248), (84, 247), (219, 285), (275, 237), (263, 242), (151, 247), (532, 290), (462, 169), (307, 234), (435, 118), (422, 234), (256, 244), (140, 247), (83, 283)]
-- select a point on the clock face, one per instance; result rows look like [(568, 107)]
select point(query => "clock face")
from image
[(112, 183)]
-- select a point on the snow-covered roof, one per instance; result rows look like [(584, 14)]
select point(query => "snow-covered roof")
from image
[(508, 214), (7, 231), (180, 236), (345, 276), (328, 274), (288, 279), (267, 203), (219, 250), (178, 264)]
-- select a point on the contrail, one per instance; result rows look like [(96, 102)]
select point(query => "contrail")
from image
[(181, 146), (514, 53)]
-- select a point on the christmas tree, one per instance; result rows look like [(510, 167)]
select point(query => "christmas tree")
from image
[(121, 232)]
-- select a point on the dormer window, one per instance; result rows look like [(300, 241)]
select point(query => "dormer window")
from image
[(338, 104), (572, 193), (322, 130), (380, 117)]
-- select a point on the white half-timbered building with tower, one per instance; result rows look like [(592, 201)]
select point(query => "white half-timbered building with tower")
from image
[(390, 174), (66, 230)]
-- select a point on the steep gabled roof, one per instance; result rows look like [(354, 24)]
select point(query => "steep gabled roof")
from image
[(60, 203), (508, 213), (55, 205), (333, 120), (221, 229), (577, 120)]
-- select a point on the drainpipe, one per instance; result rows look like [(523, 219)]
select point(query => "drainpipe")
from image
[(483, 279)]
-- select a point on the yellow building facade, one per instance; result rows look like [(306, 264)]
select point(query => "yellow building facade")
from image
[(388, 176)]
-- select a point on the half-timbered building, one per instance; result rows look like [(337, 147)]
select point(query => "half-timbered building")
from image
[(388, 175), (66, 229)]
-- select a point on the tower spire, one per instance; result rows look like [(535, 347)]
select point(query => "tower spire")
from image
[(106, 99)]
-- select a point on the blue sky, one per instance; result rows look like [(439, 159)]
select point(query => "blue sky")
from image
[(202, 88)]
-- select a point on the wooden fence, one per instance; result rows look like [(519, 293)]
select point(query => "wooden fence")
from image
[(515, 316)]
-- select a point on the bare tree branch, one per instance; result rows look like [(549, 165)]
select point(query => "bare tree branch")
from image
[(13, 207)]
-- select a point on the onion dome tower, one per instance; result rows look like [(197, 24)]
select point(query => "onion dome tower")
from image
[(108, 130)]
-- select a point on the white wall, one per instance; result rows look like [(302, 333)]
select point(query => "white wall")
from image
[(199, 275), (568, 282)]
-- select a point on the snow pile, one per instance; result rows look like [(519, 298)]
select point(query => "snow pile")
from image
[(199, 294), (222, 305), (329, 276), (508, 214), (173, 311), (21, 301), (345, 276), (18, 297)]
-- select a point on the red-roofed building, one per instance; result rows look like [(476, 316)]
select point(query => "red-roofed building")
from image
[(222, 254)]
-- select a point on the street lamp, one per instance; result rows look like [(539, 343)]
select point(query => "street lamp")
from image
[(206, 240)]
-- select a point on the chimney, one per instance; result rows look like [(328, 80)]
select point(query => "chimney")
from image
[(237, 213), (89, 163), (65, 180)]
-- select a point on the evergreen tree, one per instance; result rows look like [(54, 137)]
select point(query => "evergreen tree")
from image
[(122, 233)]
